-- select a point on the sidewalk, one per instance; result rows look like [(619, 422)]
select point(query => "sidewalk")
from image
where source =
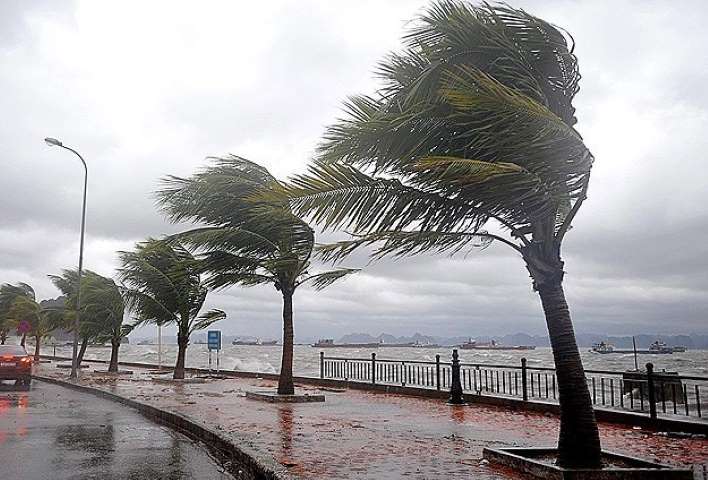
[(364, 435)]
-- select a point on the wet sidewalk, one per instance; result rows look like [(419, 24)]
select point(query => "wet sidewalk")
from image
[(356, 434)]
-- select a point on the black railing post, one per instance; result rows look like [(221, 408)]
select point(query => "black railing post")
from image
[(455, 385), (652, 393), (373, 368), (321, 364), (524, 390), (437, 372)]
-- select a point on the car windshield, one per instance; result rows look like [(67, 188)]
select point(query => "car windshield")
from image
[(12, 350)]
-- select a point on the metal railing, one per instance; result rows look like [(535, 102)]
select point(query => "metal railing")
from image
[(646, 391)]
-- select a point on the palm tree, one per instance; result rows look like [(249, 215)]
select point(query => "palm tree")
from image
[(163, 286), (19, 305), (249, 240), (103, 305), (8, 296), (91, 327), (470, 141)]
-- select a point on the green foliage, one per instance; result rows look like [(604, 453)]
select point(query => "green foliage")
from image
[(252, 237), (474, 123), (163, 286), (18, 304)]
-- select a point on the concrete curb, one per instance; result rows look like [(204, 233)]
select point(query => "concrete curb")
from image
[(602, 414), (242, 462)]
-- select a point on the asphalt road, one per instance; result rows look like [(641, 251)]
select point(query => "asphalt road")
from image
[(53, 433)]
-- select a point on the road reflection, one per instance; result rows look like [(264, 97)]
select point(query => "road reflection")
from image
[(14, 405)]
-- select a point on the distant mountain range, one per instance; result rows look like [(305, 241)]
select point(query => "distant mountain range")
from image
[(693, 341)]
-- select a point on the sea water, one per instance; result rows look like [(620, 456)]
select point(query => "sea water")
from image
[(266, 359)]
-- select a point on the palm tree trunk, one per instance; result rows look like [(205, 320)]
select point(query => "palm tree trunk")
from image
[(37, 339), (82, 351), (285, 381), (579, 439), (3, 337), (182, 342), (113, 365)]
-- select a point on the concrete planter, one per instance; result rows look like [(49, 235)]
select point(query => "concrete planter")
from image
[(273, 397), (536, 462)]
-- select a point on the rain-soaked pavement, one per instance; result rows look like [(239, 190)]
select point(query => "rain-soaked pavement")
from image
[(54, 433), (356, 434)]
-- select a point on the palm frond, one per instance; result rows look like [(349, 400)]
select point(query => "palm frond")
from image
[(406, 243), (325, 279)]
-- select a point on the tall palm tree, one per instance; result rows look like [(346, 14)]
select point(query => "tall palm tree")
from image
[(248, 239), (469, 141), (163, 286)]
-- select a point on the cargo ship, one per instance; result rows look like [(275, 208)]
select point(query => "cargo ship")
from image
[(255, 343), (329, 343), (656, 348), (493, 345)]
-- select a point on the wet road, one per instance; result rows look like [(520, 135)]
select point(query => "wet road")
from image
[(54, 433)]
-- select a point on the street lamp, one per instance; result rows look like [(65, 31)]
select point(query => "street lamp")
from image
[(53, 142)]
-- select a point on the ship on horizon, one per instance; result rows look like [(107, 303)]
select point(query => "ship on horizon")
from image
[(255, 343), (493, 345), (656, 348)]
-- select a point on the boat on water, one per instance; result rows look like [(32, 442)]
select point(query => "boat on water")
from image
[(255, 343), (603, 347), (145, 342), (329, 343), (493, 345), (656, 348)]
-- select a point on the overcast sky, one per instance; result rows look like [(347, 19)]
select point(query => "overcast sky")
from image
[(144, 89)]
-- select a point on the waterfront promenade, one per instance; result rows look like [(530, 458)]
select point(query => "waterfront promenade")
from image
[(368, 435)]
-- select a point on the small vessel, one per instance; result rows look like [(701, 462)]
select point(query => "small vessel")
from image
[(146, 342), (255, 343), (424, 345), (656, 348), (660, 347), (603, 347), (493, 345), (329, 343)]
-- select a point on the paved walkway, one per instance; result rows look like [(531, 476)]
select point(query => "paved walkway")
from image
[(365, 435), (54, 433)]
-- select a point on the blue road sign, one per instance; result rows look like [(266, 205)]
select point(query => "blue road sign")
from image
[(214, 340)]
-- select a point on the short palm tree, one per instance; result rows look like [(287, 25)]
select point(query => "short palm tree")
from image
[(8, 294), (163, 286), (21, 306), (470, 141), (103, 305), (248, 239), (90, 327)]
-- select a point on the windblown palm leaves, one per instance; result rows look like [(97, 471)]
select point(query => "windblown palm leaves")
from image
[(250, 236), (470, 141), (474, 124), (163, 286), (103, 305), (91, 326), (18, 304), (8, 294)]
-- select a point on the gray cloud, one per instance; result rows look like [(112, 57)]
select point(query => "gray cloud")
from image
[(149, 94)]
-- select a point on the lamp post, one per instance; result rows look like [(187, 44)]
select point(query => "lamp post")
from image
[(53, 142)]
